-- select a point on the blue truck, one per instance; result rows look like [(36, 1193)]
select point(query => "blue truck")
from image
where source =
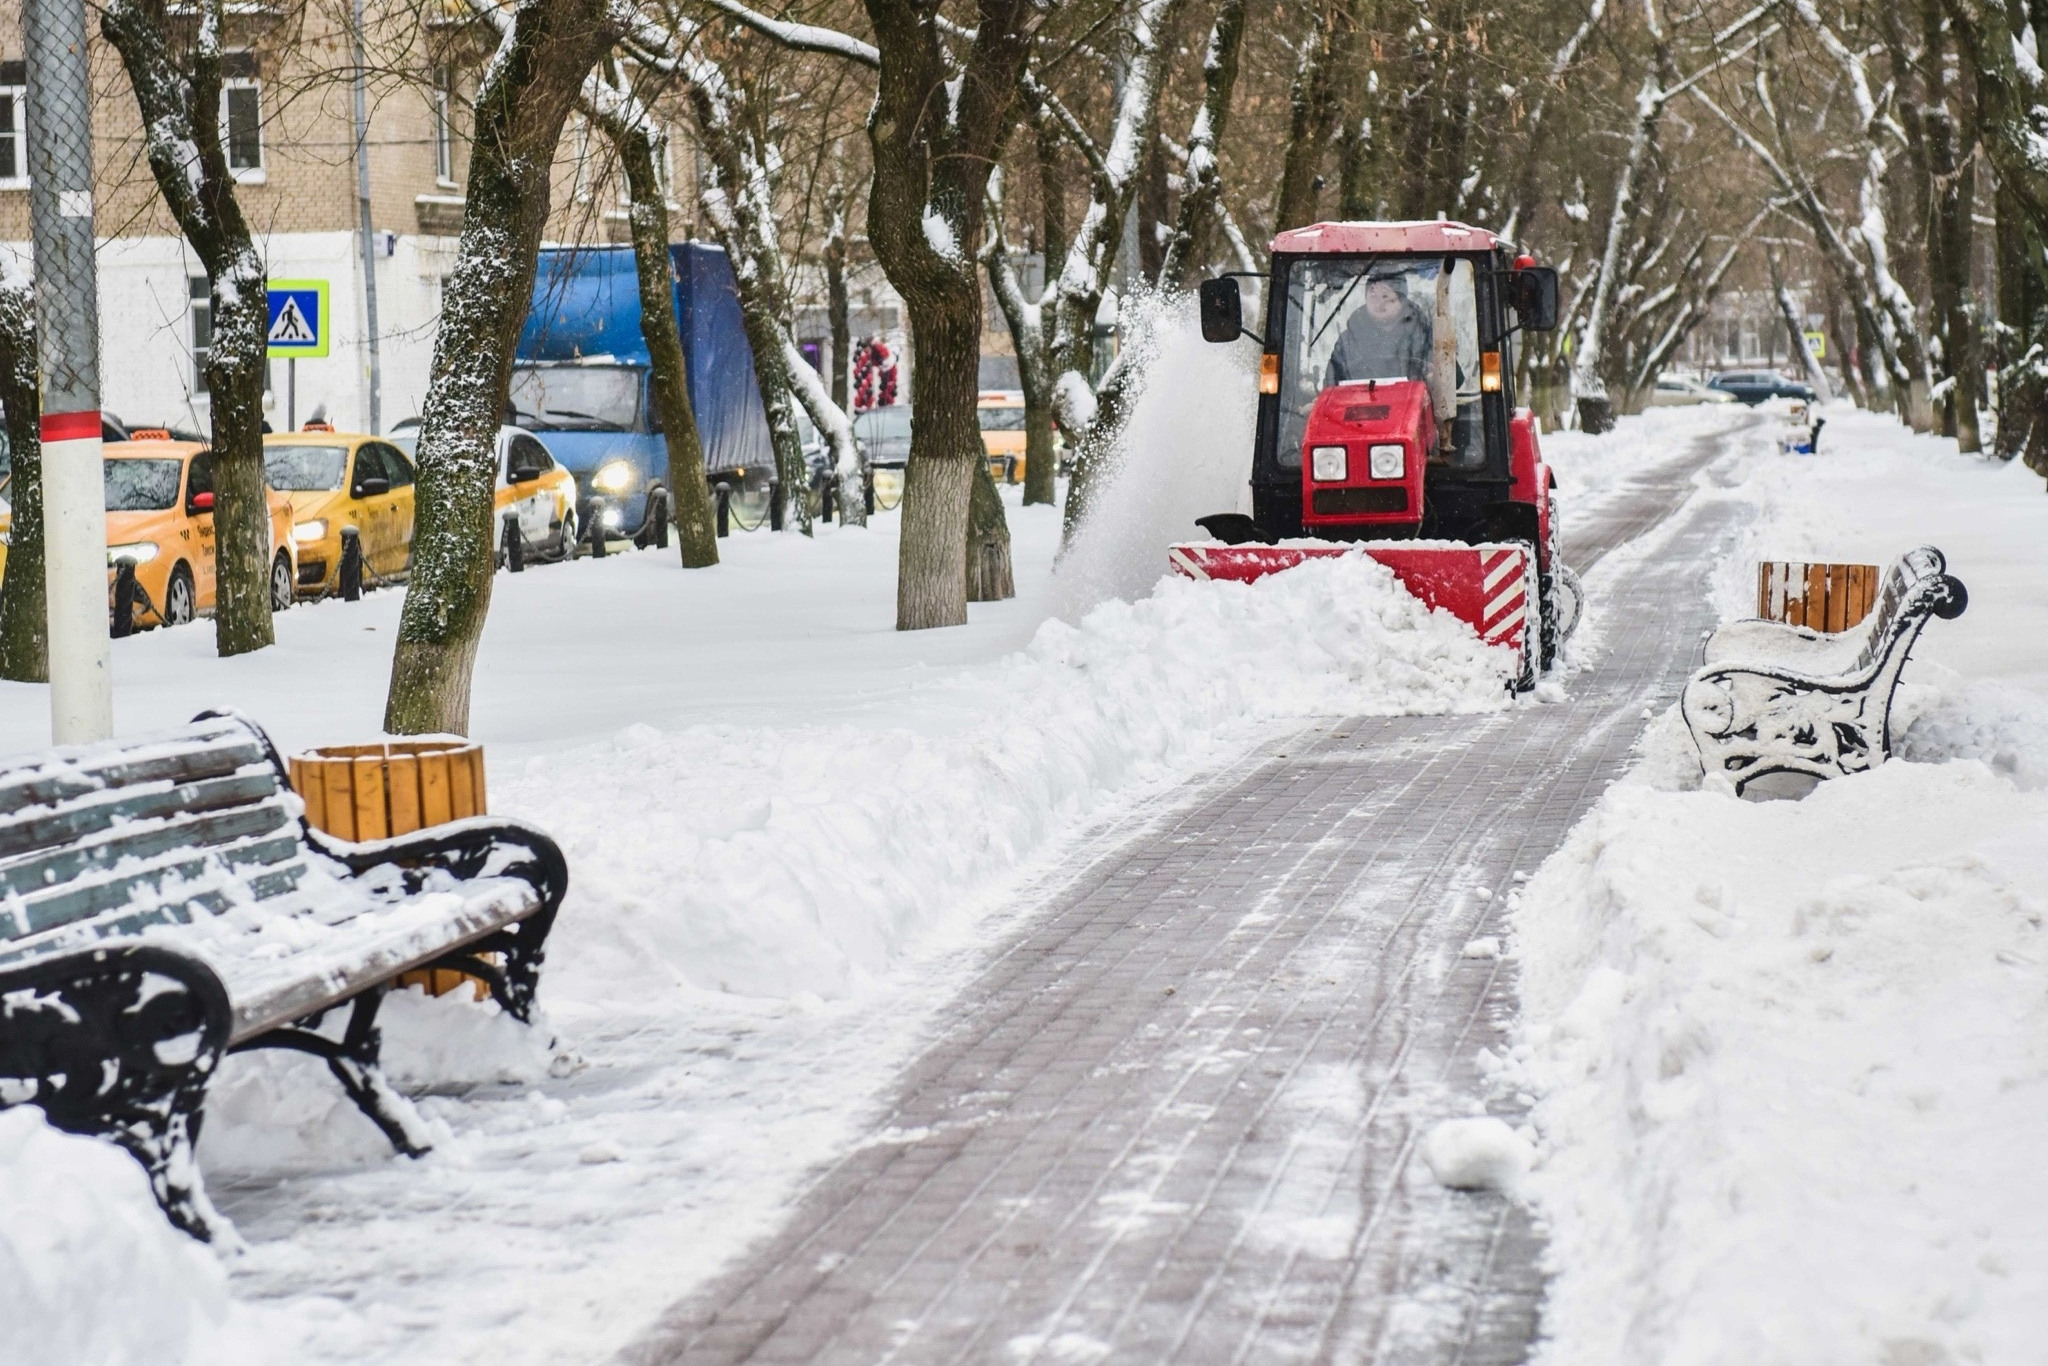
[(582, 376)]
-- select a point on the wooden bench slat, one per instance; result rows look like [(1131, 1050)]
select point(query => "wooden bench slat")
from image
[(29, 786), (69, 902), (29, 874), (78, 820)]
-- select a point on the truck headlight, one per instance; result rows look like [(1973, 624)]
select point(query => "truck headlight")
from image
[(1388, 462), (142, 552), (304, 532), (1327, 463), (615, 476)]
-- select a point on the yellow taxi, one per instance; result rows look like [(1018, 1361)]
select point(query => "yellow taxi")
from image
[(531, 485), (1002, 432), (160, 515), (343, 479)]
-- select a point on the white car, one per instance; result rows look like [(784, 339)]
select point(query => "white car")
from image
[(1674, 391), (543, 497)]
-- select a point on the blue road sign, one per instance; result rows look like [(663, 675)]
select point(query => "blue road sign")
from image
[(298, 319)]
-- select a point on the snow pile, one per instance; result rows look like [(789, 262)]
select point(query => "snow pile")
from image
[(1477, 1154), (1185, 451), (1793, 1069), (89, 1270), (779, 861), (2004, 726)]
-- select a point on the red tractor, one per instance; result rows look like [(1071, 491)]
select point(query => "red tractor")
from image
[(1387, 423)]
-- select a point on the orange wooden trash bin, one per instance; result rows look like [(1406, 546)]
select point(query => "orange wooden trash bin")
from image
[(1820, 597), (394, 787)]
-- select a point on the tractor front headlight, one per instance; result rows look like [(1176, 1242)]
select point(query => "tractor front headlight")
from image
[(615, 476), (1327, 463), (142, 552), (305, 532), (1389, 461)]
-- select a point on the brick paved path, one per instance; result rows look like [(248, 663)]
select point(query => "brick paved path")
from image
[(1173, 1119)]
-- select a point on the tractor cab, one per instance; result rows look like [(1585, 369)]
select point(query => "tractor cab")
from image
[(1386, 399)]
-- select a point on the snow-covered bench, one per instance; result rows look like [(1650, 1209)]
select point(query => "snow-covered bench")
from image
[(1774, 698), (163, 901)]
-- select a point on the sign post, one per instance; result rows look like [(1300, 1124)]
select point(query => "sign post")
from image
[(299, 321), (68, 356)]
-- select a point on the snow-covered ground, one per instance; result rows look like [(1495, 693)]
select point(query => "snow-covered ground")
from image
[(1791, 1059), (1788, 1057), (789, 829)]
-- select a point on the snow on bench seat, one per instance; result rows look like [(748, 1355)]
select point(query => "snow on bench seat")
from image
[(163, 901)]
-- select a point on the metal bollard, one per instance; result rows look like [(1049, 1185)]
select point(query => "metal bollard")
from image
[(660, 515), (825, 501), (351, 564), (515, 545), (867, 488), (124, 599), (721, 495), (597, 533), (775, 505)]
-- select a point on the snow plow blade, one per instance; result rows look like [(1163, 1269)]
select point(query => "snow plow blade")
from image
[(1491, 587)]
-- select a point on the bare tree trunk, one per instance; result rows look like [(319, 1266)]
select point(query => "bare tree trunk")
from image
[(1041, 465), (1204, 191), (934, 148), (624, 122), (1313, 106), (835, 294), (182, 116), (528, 89), (1795, 331), (24, 625), (988, 541)]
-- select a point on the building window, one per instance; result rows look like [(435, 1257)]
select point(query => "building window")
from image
[(444, 125), (13, 139), (241, 117)]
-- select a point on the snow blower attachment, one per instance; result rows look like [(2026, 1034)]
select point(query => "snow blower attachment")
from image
[(1387, 426)]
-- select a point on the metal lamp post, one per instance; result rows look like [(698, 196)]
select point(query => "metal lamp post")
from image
[(68, 344)]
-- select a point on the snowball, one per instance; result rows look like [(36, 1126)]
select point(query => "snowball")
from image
[(1489, 947), (1477, 1155)]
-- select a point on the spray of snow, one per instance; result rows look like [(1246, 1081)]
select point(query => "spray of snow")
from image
[(1185, 451)]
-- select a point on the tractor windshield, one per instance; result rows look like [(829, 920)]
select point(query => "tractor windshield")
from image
[(1359, 318)]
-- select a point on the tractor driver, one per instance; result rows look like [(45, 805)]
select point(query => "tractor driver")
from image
[(1386, 338)]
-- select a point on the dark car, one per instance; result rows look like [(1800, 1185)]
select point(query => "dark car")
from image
[(1754, 386)]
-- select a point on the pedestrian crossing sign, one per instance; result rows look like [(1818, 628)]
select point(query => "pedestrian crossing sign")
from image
[(298, 319)]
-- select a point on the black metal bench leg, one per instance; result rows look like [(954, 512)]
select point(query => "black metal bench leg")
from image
[(354, 1061), (357, 1067)]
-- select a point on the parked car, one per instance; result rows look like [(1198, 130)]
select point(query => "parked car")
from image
[(341, 479), (530, 483), (1754, 386), (1674, 391), (884, 434), (160, 515), (1002, 432)]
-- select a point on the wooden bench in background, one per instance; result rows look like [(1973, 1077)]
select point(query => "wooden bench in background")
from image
[(163, 902), (1777, 698)]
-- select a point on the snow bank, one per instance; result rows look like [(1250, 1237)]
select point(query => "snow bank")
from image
[(802, 860), (89, 1270), (1792, 1062), (1185, 452)]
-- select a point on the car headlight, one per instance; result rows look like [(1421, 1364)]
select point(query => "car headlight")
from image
[(615, 477), (303, 532), (1388, 462), (1327, 463), (142, 552)]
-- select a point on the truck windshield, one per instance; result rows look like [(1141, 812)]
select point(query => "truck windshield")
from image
[(142, 485), (1351, 319), (559, 398)]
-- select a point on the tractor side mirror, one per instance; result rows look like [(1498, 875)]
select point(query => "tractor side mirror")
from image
[(1222, 310), (1535, 297)]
